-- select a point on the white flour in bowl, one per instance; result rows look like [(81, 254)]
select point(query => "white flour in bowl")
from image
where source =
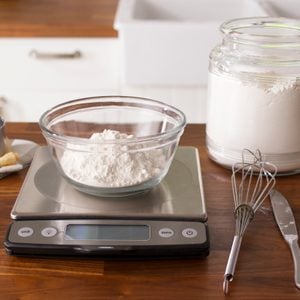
[(256, 114), (112, 165)]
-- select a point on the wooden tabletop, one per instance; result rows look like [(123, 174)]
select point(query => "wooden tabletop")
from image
[(264, 269), (57, 18)]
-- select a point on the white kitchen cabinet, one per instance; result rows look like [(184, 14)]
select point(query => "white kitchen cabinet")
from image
[(30, 85), (53, 63), (191, 100), (38, 73), (28, 106)]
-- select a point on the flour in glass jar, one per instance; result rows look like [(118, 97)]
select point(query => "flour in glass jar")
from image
[(255, 114), (111, 164)]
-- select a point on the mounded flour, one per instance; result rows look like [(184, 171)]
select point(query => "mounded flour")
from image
[(256, 114), (112, 165)]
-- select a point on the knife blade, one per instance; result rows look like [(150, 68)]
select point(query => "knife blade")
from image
[(285, 220)]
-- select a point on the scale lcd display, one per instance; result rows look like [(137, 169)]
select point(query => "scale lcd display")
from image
[(107, 232)]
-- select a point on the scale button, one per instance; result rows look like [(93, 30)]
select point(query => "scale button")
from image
[(189, 233), (49, 232), (166, 232), (25, 231)]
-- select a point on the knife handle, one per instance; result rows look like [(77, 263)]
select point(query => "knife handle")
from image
[(296, 258)]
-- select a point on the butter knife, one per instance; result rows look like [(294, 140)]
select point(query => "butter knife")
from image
[(286, 222)]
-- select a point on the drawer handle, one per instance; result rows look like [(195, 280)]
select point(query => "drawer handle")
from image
[(48, 55)]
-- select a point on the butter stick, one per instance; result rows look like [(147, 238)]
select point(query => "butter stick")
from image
[(8, 159)]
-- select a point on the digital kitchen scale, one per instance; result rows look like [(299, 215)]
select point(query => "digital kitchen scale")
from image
[(51, 217)]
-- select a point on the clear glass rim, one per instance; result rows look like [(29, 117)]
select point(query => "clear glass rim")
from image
[(117, 99), (236, 29)]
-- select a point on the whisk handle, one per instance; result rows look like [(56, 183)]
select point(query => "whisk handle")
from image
[(231, 263)]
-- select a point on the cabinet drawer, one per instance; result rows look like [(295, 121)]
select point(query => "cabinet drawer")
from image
[(53, 63), (20, 106)]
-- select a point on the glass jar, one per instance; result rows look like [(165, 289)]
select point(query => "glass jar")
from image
[(254, 92)]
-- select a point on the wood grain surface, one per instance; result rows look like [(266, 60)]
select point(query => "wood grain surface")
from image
[(264, 269), (57, 18)]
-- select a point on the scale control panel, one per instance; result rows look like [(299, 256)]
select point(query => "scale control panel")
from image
[(108, 237)]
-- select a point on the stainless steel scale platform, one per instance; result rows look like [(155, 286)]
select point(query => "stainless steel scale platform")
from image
[(51, 217)]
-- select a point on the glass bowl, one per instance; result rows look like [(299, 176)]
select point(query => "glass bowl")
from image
[(113, 145)]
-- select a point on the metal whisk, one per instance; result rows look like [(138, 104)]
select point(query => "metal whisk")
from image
[(252, 180)]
